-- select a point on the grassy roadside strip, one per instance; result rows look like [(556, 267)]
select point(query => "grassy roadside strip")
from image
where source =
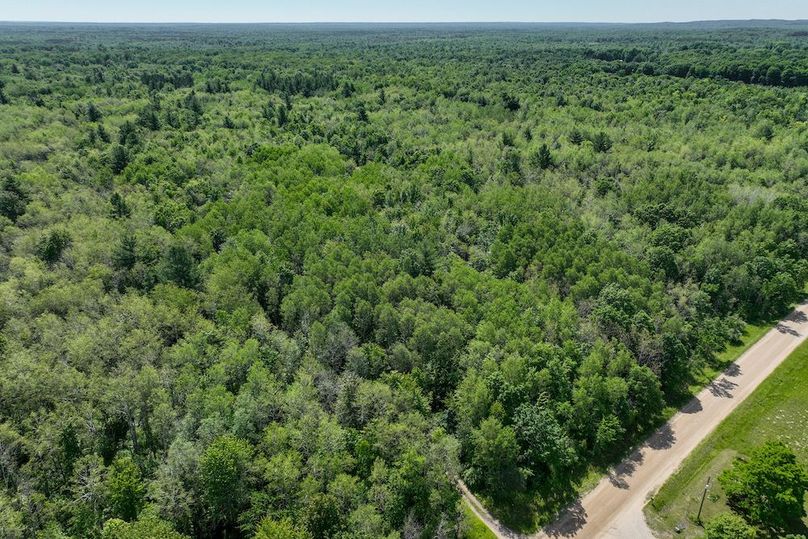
[(473, 527), (778, 409)]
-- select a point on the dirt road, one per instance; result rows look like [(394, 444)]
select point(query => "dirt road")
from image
[(614, 508)]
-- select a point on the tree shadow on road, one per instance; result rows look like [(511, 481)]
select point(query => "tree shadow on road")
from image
[(664, 438), (722, 388), (787, 330), (570, 522), (625, 469), (797, 316), (692, 407), (733, 370)]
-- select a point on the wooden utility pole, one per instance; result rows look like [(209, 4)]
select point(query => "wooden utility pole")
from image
[(703, 496)]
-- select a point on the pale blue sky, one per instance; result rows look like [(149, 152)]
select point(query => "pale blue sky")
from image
[(402, 11)]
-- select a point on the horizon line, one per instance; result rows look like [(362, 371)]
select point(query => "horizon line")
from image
[(409, 22)]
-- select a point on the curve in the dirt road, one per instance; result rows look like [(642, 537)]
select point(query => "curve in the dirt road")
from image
[(614, 508)]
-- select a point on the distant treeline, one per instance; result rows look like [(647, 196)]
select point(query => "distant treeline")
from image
[(773, 67)]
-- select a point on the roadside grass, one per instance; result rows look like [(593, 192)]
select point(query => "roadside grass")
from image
[(472, 527), (777, 410), (527, 511)]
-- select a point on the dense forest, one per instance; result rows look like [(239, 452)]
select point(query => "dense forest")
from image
[(295, 281)]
